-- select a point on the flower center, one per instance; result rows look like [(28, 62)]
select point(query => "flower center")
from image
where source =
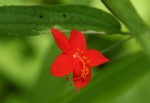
[(83, 59)]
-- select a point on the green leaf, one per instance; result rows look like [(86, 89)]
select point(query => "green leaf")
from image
[(128, 15), (34, 20)]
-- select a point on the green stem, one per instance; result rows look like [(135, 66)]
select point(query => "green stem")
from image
[(124, 11), (116, 45)]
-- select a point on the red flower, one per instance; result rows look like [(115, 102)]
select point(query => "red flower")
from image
[(75, 58)]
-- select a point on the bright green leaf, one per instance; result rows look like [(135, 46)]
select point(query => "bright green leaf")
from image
[(128, 15)]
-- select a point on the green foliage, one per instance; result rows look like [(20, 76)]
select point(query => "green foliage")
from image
[(27, 52), (33, 20), (132, 20)]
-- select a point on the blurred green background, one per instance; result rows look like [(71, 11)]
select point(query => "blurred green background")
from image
[(25, 64)]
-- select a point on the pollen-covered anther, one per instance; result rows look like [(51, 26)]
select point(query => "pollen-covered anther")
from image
[(78, 49), (83, 76), (84, 73), (84, 64), (88, 61), (87, 70), (84, 57)]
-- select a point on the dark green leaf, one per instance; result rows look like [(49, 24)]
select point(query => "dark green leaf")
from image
[(33, 20)]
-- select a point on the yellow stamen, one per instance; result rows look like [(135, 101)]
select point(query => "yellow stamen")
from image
[(88, 61), (78, 49)]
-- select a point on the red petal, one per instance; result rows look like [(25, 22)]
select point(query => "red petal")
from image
[(63, 65), (79, 82), (77, 40), (96, 58), (62, 41)]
